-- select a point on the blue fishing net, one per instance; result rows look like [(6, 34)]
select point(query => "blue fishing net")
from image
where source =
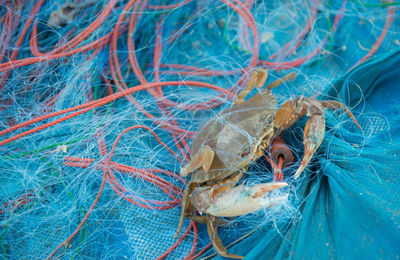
[(345, 205)]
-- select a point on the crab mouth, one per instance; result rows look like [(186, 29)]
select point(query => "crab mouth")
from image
[(239, 200)]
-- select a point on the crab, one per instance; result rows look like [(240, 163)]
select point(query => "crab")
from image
[(232, 141)]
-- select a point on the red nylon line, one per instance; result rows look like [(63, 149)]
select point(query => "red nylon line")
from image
[(158, 51), (88, 161), (108, 84), (174, 203), (113, 59), (114, 64), (195, 239), (140, 173), (192, 70), (100, 102), (377, 44), (122, 192), (99, 43), (214, 102), (247, 16), (158, 93), (21, 37), (200, 252), (133, 20), (165, 186), (103, 152), (245, 40), (14, 54), (152, 132), (176, 244), (280, 167), (69, 239), (299, 61), (177, 141), (10, 65), (78, 38), (6, 32), (18, 202), (296, 42)]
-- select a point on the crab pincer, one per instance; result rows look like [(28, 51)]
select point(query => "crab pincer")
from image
[(228, 201), (236, 201)]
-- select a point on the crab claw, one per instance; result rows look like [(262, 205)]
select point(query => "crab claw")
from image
[(313, 135), (308, 154), (236, 201)]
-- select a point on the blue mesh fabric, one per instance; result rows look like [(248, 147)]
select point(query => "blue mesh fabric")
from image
[(344, 206), (351, 204)]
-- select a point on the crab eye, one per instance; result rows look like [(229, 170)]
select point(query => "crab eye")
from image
[(245, 152), (244, 155)]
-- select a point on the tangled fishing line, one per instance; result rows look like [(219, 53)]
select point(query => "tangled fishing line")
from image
[(100, 101)]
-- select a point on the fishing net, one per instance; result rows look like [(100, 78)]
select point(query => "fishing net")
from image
[(100, 102)]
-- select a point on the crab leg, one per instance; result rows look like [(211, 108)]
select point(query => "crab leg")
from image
[(281, 80), (236, 201), (216, 241), (332, 104), (257, 79), (184, 210), (202, 159), (314, 132)]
